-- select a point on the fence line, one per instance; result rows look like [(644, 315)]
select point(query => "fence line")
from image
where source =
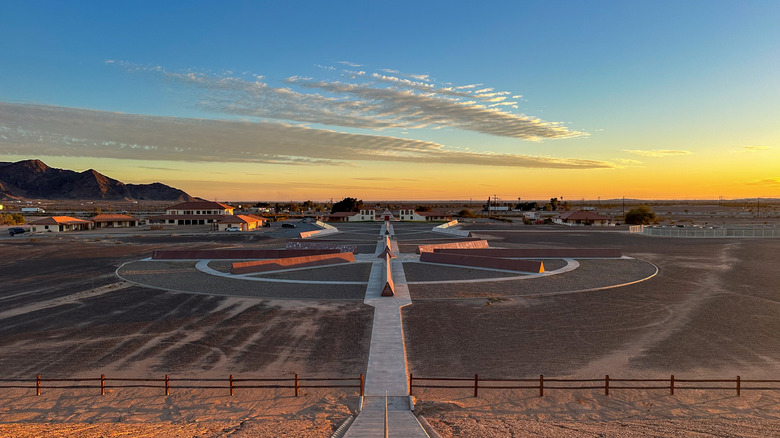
[(167, 383), (606, 384)]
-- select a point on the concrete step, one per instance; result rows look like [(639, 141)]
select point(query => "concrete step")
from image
[(370, 423)]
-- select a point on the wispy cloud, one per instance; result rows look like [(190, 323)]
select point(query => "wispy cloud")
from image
[(167, 169), (655, 153), (755, 148), (56, 131), (350, 64), (768, 182), (376, 101), (627, 162), (408, 75)]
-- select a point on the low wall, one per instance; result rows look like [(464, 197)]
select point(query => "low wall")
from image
[(471, 244), (447, 229), (537, 252), (215, 254), (325, 230), (534, 266), (290, 263), (320, 244)]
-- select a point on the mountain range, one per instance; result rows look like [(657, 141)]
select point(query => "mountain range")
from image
[(33, 179)]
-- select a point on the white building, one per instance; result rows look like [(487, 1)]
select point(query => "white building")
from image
[(352, 216)]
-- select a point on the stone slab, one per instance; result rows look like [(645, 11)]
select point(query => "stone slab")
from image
[(290, 263), (534, 266), (468, 244), (320, 244)]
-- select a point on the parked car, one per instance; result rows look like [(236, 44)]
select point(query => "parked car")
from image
[(286, 225), (16, 230), (232, 229)]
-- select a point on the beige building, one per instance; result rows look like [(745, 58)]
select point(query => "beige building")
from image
[(58, 224), (114, 221), (193, 213), (582, 218), (244, 222)]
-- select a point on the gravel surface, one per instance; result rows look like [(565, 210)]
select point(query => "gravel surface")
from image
[(711, 311), (174, 332), (344, 272), (222, 265), (415, 271), (183, 277), (592, 273)]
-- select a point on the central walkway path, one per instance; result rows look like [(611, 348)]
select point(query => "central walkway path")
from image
[(387, 372)]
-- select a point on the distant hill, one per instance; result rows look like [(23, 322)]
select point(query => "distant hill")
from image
[(33, 179)]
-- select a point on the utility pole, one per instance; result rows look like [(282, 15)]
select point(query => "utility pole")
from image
[(758, 207), (624, 206)]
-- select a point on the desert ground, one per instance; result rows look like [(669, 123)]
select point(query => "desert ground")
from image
[(710, 310)]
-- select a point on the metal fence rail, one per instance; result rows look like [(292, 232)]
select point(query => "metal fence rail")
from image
[(167, 383), (671, 384)]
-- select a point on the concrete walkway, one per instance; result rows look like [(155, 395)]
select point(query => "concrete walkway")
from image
[(387, 372), (401, 422)]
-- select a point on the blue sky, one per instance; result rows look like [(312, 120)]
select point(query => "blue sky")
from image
[(606, 92)]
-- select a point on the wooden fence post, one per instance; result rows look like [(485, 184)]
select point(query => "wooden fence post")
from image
[(167, 385), (363, 383), (541, 385), (102, 384), (231, 385), (38, 385), (411, 383), (671, 385), (476, 385), (739, 386), (606, 385), (296, 385)]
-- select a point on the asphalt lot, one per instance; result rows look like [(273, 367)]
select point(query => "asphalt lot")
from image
[(63, 312), (713, 308)]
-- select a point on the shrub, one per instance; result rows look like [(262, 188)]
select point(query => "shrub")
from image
[(641, 215)]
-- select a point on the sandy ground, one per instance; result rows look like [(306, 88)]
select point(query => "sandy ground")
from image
[(627, 413), (185, 413)]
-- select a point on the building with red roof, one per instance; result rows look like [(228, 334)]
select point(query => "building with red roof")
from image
[(114, 221), (244, 222), (58, 224)]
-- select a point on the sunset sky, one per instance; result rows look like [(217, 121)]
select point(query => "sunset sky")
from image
[(400, 100)]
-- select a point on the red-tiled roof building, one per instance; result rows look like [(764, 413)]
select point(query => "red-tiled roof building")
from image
[(114, 221), (57, 224), (244, 222)]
